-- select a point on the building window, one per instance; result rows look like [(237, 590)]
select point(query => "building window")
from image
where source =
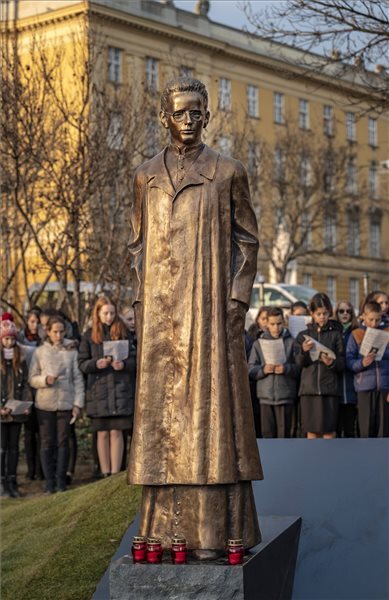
[(330, 233), (375, 238), (305, 171), (306, 231), (225, 145), (115, 64), (224, 94), (375, 284), (186, 71), (350, 127), (373, 180), (373, 138), (328, 119), (353, 235), (307, 279), (331, 287), (151, 74), (351, 182), (115, 132), (279, 165), (252, 101), (278, 100), (304, 114), (328, 175), (253, 158), (354, 292)]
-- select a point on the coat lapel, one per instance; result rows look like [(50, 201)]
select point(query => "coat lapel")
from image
[(204, 166)]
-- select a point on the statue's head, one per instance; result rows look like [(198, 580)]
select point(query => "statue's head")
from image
[(184, 110)]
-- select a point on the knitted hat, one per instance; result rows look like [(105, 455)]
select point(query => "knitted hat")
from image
[(8, 329), (6, 316)]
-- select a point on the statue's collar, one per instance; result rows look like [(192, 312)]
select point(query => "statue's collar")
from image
[(186, 151)]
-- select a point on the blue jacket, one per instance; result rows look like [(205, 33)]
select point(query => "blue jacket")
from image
[(373, 377), (275, 388), (349, 395)]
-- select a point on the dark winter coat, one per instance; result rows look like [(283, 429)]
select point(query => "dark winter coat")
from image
[(316, 378), (109, 393), (373, 377), (275, 388), (349, 395), (14, 386)]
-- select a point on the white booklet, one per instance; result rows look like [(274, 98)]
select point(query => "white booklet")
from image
[(273, 351), (298, 323), (18, 407), (318, 349), (117, 349), (374, 340)]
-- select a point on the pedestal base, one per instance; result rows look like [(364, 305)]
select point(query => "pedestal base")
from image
[(266, 574)]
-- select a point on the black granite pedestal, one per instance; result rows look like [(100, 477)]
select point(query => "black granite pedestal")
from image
[(266, 574)]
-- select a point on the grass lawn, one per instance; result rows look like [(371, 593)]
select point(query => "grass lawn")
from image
[(58, 547)]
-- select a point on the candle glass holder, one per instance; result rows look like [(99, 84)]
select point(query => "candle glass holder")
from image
[(154, 550), (179, 550), (139, 549), (235, 552)]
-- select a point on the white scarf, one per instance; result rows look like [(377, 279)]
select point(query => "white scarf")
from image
[(8, 353)]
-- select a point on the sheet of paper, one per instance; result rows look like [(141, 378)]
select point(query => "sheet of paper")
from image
[(318, 349), (118, 349), (18, 407), (374, 339), (273, 351), (298, 323)]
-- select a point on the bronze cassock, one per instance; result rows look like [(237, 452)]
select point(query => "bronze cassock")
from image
[(194, 252)]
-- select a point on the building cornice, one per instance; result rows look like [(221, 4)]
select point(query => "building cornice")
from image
[(90, 9)]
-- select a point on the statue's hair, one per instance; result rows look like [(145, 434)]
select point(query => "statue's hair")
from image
[(183, 84)]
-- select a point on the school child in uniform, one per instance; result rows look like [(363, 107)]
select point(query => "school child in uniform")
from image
[(347, 412), (54, 373), (320, 386), (371, 377), (276, 385), (14, 386)]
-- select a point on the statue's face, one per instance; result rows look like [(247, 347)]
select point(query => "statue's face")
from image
[(185, 118)]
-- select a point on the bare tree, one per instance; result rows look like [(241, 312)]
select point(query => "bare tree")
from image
[(342, 39)]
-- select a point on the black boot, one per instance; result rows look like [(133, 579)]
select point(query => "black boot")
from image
[(13, 487), (4, 491), (62, 465), (48, 465)]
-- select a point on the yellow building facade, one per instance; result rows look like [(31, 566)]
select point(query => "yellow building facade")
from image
[(259, 88)]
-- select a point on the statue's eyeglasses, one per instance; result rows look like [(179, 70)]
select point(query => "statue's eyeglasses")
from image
[(179, 115)]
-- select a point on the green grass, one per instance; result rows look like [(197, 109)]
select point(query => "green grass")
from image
[(58, 547)]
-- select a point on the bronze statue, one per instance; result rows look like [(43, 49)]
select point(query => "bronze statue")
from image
[(194, 254)]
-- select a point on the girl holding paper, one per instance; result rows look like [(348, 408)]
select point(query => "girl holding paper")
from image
[(14, 386), (320, 386), (54, 373), (110, 383)]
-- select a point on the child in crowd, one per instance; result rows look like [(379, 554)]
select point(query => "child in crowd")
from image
[(383, 301), (299, 309), (110, 383), (347, 412), (14, 386), (30, 338), (371, 377), (54, 373), (276, 384), (260, 323), (320, 387)]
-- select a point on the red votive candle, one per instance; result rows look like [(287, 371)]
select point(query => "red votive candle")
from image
[(154, 550), (179, 550), (139, 548), (235, 552)]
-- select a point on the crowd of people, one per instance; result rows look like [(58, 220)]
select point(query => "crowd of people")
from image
[(319, 383), (335, 389), (53, 372)]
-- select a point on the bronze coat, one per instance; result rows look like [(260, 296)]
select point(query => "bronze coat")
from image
[(194, 251)]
